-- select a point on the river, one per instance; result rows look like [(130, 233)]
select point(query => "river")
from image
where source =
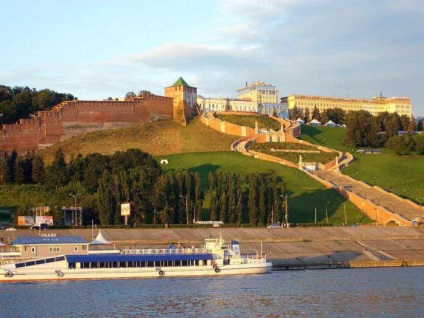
[(377, 292)]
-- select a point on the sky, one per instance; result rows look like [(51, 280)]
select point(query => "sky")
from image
[(95, 49)]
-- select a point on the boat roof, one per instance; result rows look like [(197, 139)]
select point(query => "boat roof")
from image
[(137, 257), (33, 240)]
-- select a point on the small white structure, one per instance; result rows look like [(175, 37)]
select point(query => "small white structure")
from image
[(100, 240), (300, 121), (330, 123), (164, 162), (315, 122)]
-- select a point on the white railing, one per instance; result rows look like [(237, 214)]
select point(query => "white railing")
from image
[(164, 251)]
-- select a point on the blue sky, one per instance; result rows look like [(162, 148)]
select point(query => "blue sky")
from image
[(97, 49)]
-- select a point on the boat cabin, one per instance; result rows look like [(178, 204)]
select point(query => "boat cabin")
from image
[(45, 246)]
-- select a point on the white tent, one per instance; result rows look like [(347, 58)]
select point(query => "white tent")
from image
[(315, 122), (100, 240), (2, 244), (330, 123), (300, 121)]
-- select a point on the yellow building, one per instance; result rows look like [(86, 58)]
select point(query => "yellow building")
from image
[(378, 104), (259, 92)]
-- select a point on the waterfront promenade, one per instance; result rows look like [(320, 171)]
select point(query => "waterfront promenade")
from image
[(292, 248)]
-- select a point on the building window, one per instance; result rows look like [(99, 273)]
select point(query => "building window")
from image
[(54, 249), (32, 249), (75, 248)]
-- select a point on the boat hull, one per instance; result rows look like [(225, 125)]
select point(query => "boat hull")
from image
[(133, 273)]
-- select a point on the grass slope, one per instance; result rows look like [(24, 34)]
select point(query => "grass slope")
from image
[(304, 193), (158, 138), (403, 175)]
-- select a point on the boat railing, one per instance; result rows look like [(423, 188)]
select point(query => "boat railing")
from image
[(164, 251)]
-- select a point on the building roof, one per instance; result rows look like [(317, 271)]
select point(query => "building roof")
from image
[(40, 240), (180, 82)]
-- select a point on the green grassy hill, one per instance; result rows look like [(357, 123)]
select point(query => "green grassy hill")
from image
[(403, 175), (305, 194), (158, 138)]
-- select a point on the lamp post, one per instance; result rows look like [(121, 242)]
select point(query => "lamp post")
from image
[(75, 208), (286, 200), (186, 205), (326, 211)]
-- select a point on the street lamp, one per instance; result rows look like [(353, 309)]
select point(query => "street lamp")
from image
[(326, 211), (186, 204), (286, 200), (75, 208)]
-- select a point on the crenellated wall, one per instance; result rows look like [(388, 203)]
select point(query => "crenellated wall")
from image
[(74, 118)]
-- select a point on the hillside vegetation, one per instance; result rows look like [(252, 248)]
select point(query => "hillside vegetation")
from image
[(403, 175), (305, 194), (158, 138)]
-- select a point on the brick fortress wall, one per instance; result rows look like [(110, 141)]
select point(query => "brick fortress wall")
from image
[(74, 118)]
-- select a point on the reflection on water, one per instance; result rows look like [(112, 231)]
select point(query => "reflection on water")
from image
[(390, 292)]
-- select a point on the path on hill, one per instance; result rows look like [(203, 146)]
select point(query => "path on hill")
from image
[(369, 199), (379, 197)]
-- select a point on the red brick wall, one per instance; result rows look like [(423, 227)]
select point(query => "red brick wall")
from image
[(48, 127)]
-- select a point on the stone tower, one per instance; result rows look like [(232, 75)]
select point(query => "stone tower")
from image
[(185, 100)]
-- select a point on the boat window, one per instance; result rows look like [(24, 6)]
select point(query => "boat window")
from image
[(17, 265), (60, 258), (40, 261), (29, 263), (54, 249), (49, 260)]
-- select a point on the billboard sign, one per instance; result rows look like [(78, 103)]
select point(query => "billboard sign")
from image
[(125, 209)]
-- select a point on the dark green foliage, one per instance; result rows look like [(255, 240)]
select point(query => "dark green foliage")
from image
[(252, 200), (38, 172), (404, 144), (419, 144), (21, 102), (57, 172), (315, 113)]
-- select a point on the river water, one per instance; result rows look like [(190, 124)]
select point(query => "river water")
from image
[(379, 292)]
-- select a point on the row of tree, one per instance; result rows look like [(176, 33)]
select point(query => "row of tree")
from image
[(383, 121), (366, 130), (20, 102), (102, 183), (406, 143), (337, 115), (257, 199)]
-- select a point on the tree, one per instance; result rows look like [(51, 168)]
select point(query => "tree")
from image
[(307, 117), (402, 144), (315, 113), (130, 95), (38, 170), (294, 114), (324, 117), (405, 121), (419, 144), (106, 203), (143, 91), (57, 172)]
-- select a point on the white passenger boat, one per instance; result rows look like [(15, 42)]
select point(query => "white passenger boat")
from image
[(214, 258)]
